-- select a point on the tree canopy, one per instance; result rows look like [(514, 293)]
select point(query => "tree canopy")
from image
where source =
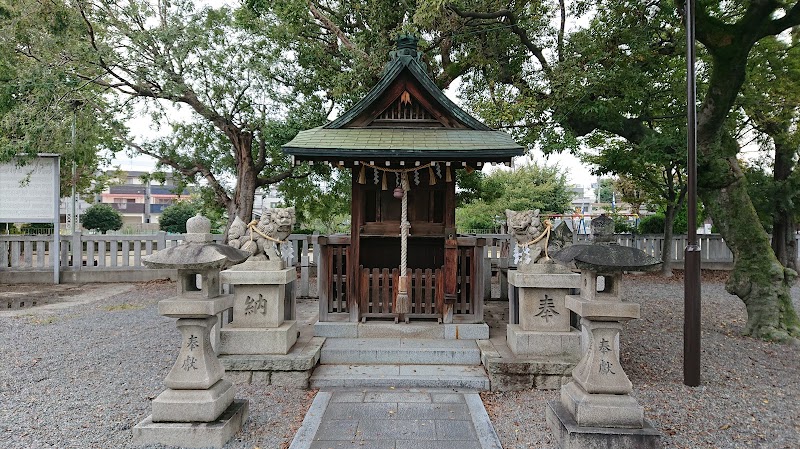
[(40, 101), (102, 217), (173, 218), (531, 186)]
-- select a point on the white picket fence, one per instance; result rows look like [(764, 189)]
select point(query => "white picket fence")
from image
[(111, 253)]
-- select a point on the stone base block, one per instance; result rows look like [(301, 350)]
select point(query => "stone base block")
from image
[(206, 434), (258, 273), (346, 329), (379, 329), (478, 331), (336, 329), (544, 344), (302, 357), (278, 340), (603, 310), (193, 405), (548, 276), (571, 436), (601, 410), (192, 305)]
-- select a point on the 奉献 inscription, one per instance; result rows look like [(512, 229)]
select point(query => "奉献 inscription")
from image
[(547, 308)]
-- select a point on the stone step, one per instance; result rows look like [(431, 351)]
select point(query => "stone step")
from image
[(399, 351), (400, 376)]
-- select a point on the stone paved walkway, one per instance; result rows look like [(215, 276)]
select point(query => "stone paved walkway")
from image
[(389, 418)]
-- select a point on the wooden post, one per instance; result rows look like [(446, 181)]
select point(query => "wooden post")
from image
[(450, 275), (304, 263), (486, 262), (353, 250), (323, 281), (477, 279)]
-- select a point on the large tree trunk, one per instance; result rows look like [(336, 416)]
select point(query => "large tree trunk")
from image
[(783, 224), (246, 179), (666, 247), (758, 278)]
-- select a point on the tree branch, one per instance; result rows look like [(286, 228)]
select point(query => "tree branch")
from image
[(791, 19), (330, 26), (189, 172), (260, 182), (513, 21), (560, 45)]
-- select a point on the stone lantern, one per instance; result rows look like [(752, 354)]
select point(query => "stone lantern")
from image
[(197, 409), (596, 409)]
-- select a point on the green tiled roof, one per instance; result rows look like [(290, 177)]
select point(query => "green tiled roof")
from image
[(385, 142), (340, 141), (391, 72)]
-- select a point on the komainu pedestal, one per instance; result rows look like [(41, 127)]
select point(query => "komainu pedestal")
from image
[(259, 310), (198, 408), (544, 321)]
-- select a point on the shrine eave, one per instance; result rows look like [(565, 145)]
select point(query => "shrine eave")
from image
[(424, 144)]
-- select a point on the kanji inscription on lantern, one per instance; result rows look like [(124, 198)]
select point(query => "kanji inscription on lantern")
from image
[(193, 343), (254, 305), (605, 367), (604, 347), (547, 308), (189, 363)]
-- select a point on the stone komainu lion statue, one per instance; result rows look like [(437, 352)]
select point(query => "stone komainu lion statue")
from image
[(261, 237), (529, 242)]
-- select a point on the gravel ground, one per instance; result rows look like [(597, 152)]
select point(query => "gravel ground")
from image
[(750, 392), (81, 374)]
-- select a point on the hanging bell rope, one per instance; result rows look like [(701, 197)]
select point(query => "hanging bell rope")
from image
[(403, 303)]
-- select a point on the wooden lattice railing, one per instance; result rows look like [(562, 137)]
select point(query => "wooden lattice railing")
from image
[(377, 286)]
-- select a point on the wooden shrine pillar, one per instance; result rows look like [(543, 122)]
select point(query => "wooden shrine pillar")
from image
[(450, 253), (353, 256)]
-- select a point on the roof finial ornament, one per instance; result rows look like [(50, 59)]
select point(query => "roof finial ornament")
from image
[(406, 46)]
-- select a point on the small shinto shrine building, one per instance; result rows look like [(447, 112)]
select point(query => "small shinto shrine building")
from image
[(403, 143)]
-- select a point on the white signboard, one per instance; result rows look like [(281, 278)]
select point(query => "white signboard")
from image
[(29, 193)]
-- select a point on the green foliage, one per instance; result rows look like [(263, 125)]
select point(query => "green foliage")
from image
[(623, 225), (653, 224), (101, 217), (468, 186), (770, 101), (173, 218), (35, 228), (321, 202), (479, 215), (605, 190), (767, 193), (41, 95), (8, 228), (528, 187)]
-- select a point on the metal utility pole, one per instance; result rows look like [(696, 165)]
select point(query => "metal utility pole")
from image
[(691, 267), (73, 213)]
